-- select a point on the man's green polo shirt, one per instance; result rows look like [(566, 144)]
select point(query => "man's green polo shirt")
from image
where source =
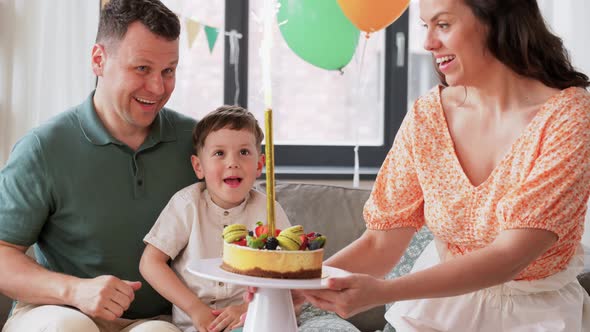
[(87, 200)]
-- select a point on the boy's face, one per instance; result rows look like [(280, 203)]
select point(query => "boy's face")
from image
[(230, 163)]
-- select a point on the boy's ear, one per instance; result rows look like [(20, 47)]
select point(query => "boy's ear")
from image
[(260, 166), (197, 167), (98, 59)]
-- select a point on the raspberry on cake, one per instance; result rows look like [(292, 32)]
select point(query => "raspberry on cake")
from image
[(290, 255)]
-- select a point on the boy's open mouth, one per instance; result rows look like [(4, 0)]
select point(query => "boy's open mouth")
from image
[(233, 181)]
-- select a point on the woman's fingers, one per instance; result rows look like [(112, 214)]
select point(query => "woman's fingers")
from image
[(322, 303), (346, 296), (340, 283), (249, 295)]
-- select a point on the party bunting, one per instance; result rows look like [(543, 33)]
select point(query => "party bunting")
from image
[(211, 33), (192, 28)]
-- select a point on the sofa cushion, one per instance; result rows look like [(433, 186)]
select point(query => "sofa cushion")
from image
[(416, 247), (336, 212), (313, 319), (419, 242)]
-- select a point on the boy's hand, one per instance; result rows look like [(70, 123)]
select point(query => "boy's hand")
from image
[(202, 317), (228, 318)]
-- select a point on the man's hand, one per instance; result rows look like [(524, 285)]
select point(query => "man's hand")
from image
[(104, 297)]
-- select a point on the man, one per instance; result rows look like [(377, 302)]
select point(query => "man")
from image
[(87, 186)]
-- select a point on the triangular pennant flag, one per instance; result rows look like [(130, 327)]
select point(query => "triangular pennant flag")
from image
[(192, 29), (211, 36)]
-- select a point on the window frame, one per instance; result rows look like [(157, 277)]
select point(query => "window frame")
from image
[(324, 161)]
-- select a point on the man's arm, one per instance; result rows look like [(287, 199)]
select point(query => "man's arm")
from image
[(21, 278)]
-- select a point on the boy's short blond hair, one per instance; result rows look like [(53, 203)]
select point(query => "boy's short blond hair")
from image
[(226, 116)]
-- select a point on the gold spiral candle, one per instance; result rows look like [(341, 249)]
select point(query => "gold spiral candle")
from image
[(270, 172)]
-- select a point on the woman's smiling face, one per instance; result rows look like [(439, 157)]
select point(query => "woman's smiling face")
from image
[(457, 40)]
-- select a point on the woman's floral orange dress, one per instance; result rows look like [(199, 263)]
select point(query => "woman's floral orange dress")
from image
[(543, 182)]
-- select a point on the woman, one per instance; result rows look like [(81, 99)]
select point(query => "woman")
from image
[(496, 163)]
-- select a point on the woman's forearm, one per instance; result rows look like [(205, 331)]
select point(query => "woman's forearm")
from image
[(374, 253), (496, 264)]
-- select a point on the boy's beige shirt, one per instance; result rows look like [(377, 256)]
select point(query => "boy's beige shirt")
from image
[(189, 228)]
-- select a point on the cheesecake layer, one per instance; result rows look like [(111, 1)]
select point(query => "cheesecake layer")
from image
[(281, 264)]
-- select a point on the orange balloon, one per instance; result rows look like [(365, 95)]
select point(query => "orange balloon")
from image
[(373, 15)]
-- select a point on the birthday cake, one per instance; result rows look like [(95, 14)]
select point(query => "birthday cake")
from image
[(290, 254)]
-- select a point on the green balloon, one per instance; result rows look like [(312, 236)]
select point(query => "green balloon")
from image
[(318, 32)]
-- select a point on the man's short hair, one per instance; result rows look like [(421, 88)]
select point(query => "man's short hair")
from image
[(117, 15), (231, 117)]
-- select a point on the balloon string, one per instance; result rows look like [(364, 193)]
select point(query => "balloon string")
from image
[(356, 173)]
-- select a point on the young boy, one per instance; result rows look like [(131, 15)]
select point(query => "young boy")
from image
[(227, 143)]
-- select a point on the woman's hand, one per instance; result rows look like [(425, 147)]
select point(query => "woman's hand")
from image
[(249, 295), (349, 295), (298, 300), (228, 318)]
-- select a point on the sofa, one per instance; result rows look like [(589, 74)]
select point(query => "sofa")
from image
[(337, 213)]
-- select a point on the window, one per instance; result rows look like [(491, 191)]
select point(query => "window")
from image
[(312, 105), (199, 77), (422, 76), (319, 115)]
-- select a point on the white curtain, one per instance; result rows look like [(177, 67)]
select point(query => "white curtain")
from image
[(44, 62), (569, 20)]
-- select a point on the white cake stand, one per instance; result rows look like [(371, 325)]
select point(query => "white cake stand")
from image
[(272, 306)]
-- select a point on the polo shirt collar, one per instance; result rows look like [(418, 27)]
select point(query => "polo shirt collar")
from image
[(162, 129)]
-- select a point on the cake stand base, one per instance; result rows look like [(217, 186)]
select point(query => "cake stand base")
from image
[(272, 307), (271, 310)]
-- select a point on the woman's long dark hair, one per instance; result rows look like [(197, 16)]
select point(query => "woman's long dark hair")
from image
[(520, 39)]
